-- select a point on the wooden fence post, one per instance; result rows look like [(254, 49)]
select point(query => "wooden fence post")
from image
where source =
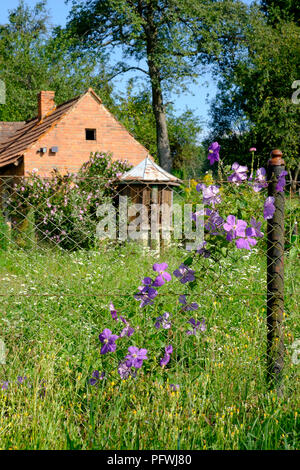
[(275, 275)]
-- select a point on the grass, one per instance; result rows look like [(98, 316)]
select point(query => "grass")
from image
[(53, 307)]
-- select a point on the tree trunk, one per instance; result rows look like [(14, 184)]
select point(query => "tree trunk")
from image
[(162, 138)]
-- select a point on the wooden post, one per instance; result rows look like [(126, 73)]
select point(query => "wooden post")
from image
[(275, 275)]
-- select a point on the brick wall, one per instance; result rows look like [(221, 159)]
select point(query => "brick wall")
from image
[(73, 148)]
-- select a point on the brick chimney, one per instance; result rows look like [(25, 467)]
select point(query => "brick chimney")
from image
[(46, 103)]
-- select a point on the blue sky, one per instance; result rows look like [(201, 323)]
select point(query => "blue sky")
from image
[(199, 95)]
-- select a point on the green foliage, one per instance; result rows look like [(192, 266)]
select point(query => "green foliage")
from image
[(4, 233), (254, 105), (34, 57)]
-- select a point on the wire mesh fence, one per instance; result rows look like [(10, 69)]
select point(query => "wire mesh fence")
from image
[(98, 292)]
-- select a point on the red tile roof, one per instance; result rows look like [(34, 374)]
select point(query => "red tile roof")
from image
[(27, 134)]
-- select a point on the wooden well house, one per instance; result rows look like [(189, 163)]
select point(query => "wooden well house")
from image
[(149, 190)]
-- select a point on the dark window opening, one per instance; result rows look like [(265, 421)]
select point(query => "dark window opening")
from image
[(90, 134)]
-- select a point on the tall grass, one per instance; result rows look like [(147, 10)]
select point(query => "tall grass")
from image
[(53, 307)]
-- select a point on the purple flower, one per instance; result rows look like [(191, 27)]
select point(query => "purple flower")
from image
[(260, 180), (125, 371), (210, 194), (256, 225), (203, 251), (214, 224), (281, 181), (96, 377), (21, 379), (184, 274), (269, 208), (187, 307), (174, 387), (234, 228), (128, 330), (136, 357), (163, 274), (113, 311), (214, 153), (166, 359), (239, 173), (247, 242), (4, 385), (162, 321), (196, 326), (146, 294), (108, 341)]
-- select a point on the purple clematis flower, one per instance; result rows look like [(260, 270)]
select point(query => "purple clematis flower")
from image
[(187, 307), (146, 295), (136, 357), (196, 326), (214, 153), (113, 311), (184, 274), (125, 371), (166, 359), (96, 377), (210, 194), (234, 228), (163, 274), (108, 341), (128, 330), (281, 181), (214, 223), (162, 321), (269, 208), (256, 225), (239, 173), (248, 241), (203, 251), (260, 180)]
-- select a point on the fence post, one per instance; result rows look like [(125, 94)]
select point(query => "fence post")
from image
[(275, 275)]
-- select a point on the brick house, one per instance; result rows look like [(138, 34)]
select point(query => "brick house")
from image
[(63, 137)]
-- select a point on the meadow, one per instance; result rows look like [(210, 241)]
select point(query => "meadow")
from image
[(211, 395)]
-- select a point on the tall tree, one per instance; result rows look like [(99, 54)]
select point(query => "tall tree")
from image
[(170, 41), (254, 106), (34, 56)]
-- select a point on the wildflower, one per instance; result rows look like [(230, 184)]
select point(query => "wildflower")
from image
[(187, 307), (281, 181), (184, 274), (234, 228), (210, 194), (125, 371), (163, 274), (174, 387), (108, 341), (214, 153), (96, 377), (196, 326), (4, 385), (21, 379), (136, 357), (239, 173), (162, 321), (166, 359), (269, 208)]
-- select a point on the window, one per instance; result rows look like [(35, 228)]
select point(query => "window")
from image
[(90, 134)]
